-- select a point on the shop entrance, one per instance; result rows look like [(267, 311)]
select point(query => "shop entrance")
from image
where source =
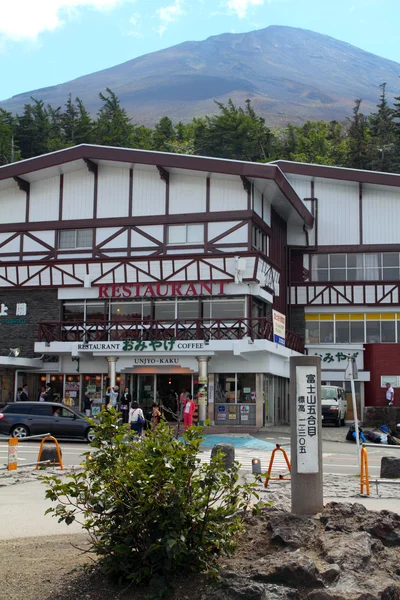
[(169, 388)]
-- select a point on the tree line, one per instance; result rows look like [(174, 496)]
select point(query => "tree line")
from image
[(237, 132)]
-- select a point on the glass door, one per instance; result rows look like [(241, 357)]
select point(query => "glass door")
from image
[(146, 388)]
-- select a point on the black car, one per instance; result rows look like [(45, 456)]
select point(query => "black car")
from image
[(22, 419)]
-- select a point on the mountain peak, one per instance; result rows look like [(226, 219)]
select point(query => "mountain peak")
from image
[(290, 75)]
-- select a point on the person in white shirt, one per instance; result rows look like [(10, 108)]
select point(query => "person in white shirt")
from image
[(112, 397), (136, 419), (389, 395)]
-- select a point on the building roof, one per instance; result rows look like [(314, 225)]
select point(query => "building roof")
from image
[(339, 173), (53, 164)]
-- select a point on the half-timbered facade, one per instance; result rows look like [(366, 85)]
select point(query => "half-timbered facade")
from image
[(161, 267), (345, 274)]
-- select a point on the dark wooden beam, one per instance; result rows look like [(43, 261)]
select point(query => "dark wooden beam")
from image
[(92, 166), (246, 184), (164, 174), (23, 185)]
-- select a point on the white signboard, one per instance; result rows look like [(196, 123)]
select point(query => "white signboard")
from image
[(307, 420), (335, 357), (279, 326), (139, 346), (394, 380)]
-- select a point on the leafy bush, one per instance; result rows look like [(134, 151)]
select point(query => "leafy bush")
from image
[(152, 507)]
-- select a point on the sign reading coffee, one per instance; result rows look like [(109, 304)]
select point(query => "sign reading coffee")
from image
[(161, 290), (171, 345)]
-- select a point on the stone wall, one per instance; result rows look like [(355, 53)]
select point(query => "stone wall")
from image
[(42, 305)]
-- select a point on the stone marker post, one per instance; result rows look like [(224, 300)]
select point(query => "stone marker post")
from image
[(306, 435)]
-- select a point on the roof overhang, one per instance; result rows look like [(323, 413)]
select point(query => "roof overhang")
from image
[(284, 198), (10, 362), (338, 173)]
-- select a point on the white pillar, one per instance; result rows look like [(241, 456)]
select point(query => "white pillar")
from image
[(112, 369), (203, 391)]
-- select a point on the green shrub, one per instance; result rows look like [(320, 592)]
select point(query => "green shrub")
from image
[(152, 508)]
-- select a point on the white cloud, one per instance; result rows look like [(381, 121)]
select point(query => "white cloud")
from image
[(169, 14), (26, 19), (135, 21), (240, 7)]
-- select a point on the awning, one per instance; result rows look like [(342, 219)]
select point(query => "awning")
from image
[(11, 362)]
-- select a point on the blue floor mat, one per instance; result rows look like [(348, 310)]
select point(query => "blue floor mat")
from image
[(250, 443)]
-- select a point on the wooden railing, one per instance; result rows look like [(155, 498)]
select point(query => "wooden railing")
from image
[(179, 329)]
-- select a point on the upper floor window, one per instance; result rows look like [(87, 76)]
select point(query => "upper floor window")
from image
[(260, 240), (356, 267), (186, 234), (75, 238)]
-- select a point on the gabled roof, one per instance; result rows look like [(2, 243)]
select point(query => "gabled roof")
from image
[(339, 173), (248, 170)]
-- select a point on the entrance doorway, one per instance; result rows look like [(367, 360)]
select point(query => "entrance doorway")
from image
[(169, 388)]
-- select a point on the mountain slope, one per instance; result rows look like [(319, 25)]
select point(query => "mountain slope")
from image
[(289, 74)]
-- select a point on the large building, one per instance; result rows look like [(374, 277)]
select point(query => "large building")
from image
[(167, 272)]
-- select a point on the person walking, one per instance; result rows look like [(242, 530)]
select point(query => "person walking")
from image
[(136, 419), (125, 403), (19, 392), (24, 397), (67, 400), (87, 404), (188, 412), (389, 395)]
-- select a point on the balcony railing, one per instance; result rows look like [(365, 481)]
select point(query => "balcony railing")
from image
[(179, 329)]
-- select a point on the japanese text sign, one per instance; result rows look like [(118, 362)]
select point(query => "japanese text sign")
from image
[(307, 420), (279, 326)]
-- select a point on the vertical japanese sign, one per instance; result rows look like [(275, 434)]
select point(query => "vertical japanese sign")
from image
[(279, 326), (307, 420)]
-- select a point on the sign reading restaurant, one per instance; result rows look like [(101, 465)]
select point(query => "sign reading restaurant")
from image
[(160, 290), (171, 345)]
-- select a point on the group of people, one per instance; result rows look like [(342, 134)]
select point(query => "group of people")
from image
[(383, 435)]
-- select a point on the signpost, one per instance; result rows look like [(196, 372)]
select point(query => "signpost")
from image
[(351, 374), (306, 435)]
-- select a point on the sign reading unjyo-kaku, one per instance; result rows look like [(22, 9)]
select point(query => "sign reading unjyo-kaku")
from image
[(279, 327), (307, 420)]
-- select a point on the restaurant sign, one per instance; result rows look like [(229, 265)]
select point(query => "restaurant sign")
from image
[(171, 345), (162, 290)]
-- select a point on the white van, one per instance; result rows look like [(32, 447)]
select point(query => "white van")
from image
[(334, 405)]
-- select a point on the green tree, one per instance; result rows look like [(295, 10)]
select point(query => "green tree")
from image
[(383, 132), (113, 127), (164, 135), (358, 139), (8, 150), (152, 508), (234, 133), (32, 129)]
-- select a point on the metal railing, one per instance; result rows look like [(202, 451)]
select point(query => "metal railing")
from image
[(178, 329)]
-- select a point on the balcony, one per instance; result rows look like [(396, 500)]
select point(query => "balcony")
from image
[(178, 329)]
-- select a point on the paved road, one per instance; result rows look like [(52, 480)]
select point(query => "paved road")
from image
[(338, 458)]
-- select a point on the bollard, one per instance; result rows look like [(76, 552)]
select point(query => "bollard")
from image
[(256, 466), (12, 454)]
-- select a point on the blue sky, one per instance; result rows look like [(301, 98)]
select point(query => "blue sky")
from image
[(45, 42)]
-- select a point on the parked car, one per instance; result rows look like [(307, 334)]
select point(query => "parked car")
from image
[(334, 405), (22, 419)]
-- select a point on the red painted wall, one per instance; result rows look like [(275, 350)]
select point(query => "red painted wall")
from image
[(380, 359)]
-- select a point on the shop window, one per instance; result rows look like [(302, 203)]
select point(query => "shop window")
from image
[(73, 386), (357, 332), (388, 331), (246, 388), (326, 332), (164, 311), (94, 385), (75, 238), (225, 388), (312, 333), (128, 311), (186, 234), (342, 332), (95, 311), (188, 309), (373, 332), (73, 312)]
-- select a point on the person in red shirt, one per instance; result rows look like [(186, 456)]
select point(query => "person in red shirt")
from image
[(188, 412)]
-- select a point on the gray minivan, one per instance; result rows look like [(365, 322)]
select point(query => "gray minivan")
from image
[(334, 404)]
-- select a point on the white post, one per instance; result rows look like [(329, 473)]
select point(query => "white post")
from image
[(203, 391), (112, 369), (351, 369)]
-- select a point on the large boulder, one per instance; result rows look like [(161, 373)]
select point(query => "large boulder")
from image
[(291, 530), (390, 467), (228, 452), (294, 570)]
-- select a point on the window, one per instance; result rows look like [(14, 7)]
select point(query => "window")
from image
[(43, 409), (74, 312), (354, 328), (188, 309), (75, 238), (227, 309), (185, 234), (260, 240), (128, 311), (225, 388), (95, 311), (18, 409), (164, 311), (356, 267)]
